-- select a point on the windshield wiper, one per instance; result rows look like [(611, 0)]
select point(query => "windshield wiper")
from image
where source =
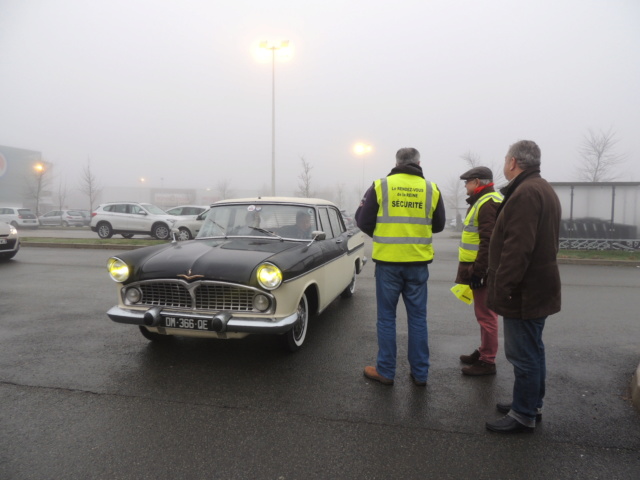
[(224, 232), (268, 232)]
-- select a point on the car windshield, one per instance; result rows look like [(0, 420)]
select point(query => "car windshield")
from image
[(153, 209), (260, 220)]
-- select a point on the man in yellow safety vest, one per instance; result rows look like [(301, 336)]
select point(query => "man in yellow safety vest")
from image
[(401, 212), (473, 256)]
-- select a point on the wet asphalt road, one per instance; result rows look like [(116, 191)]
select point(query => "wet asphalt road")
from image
[(82, 397)]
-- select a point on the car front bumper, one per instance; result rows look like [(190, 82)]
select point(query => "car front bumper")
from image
[(221, 322)]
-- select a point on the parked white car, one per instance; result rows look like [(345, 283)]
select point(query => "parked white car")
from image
[(131, 218), (9, 241), (19, 217), (188, 228), (66, 218), (188, 210)]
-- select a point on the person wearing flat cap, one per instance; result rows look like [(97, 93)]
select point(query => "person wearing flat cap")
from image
[(473, 255)]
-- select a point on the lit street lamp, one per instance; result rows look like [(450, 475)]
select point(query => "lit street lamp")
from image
[(283, 45), (361, 149), (40, 171)]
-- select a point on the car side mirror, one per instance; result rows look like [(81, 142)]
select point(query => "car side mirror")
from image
[(318, 235)]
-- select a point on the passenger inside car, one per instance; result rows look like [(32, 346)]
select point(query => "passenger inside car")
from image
[(252, 221), (302, 228)]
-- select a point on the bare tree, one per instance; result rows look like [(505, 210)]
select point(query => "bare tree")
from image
[(224, 189), (38, 183), (340, 195), (89, 185), (598, 158), (454, 194), (61, 196), (304, 187), (473, 160)]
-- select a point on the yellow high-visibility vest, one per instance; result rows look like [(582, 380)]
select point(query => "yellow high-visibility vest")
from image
[(403, 230), (470, 241)]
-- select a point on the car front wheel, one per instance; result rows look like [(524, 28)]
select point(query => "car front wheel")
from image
[(105, 230), (161, 231), (184, 234), (294, 338)]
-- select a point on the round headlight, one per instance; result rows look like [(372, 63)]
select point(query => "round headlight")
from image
[(133, 295), (260, 303), (269, 276), (118, 270)]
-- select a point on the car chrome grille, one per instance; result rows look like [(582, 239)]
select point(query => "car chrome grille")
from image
[(166, 294), (202, 295), (224, 297)]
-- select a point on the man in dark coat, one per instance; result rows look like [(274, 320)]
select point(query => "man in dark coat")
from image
[(523, 280)]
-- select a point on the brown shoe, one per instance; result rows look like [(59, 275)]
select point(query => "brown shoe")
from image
[(372, 374), (480, 368), (470, 359)]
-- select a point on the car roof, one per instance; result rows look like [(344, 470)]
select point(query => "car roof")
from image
[(180, 206), (283, 200)]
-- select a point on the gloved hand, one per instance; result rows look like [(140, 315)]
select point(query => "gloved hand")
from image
[(475, 282)]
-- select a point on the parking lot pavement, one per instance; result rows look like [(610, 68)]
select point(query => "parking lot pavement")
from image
[(87, 398)]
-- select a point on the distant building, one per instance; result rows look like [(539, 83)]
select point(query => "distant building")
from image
[(599, 215), (17, 178)]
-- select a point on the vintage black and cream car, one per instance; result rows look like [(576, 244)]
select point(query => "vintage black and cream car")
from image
[(261, 265)]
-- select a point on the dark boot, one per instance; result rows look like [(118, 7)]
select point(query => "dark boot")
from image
[(480, 368), (470, 359)]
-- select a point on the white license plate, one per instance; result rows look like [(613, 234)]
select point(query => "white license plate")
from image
[(187, 323), (3, 241)]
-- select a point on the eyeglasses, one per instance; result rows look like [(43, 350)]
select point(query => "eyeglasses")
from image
[(470, 180)]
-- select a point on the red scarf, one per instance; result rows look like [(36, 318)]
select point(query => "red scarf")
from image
[(482, 187)]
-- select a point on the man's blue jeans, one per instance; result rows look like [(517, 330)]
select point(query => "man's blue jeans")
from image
[(525, 351), (410, 281)]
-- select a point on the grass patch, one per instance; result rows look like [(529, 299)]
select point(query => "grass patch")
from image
[(93, 241), (600, 254)]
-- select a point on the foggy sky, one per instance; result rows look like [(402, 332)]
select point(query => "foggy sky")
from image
[(170, 90)]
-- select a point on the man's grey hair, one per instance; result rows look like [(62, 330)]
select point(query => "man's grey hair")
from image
[(484, 181), (526, 153), (407, 155)]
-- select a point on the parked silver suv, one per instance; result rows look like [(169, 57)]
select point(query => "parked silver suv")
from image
[(131, 218)]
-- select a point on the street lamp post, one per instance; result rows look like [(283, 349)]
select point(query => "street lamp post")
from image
[(40, 170), (361, 149), (273, 47)]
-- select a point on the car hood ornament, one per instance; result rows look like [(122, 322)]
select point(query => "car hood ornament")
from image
[(188, 277)]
